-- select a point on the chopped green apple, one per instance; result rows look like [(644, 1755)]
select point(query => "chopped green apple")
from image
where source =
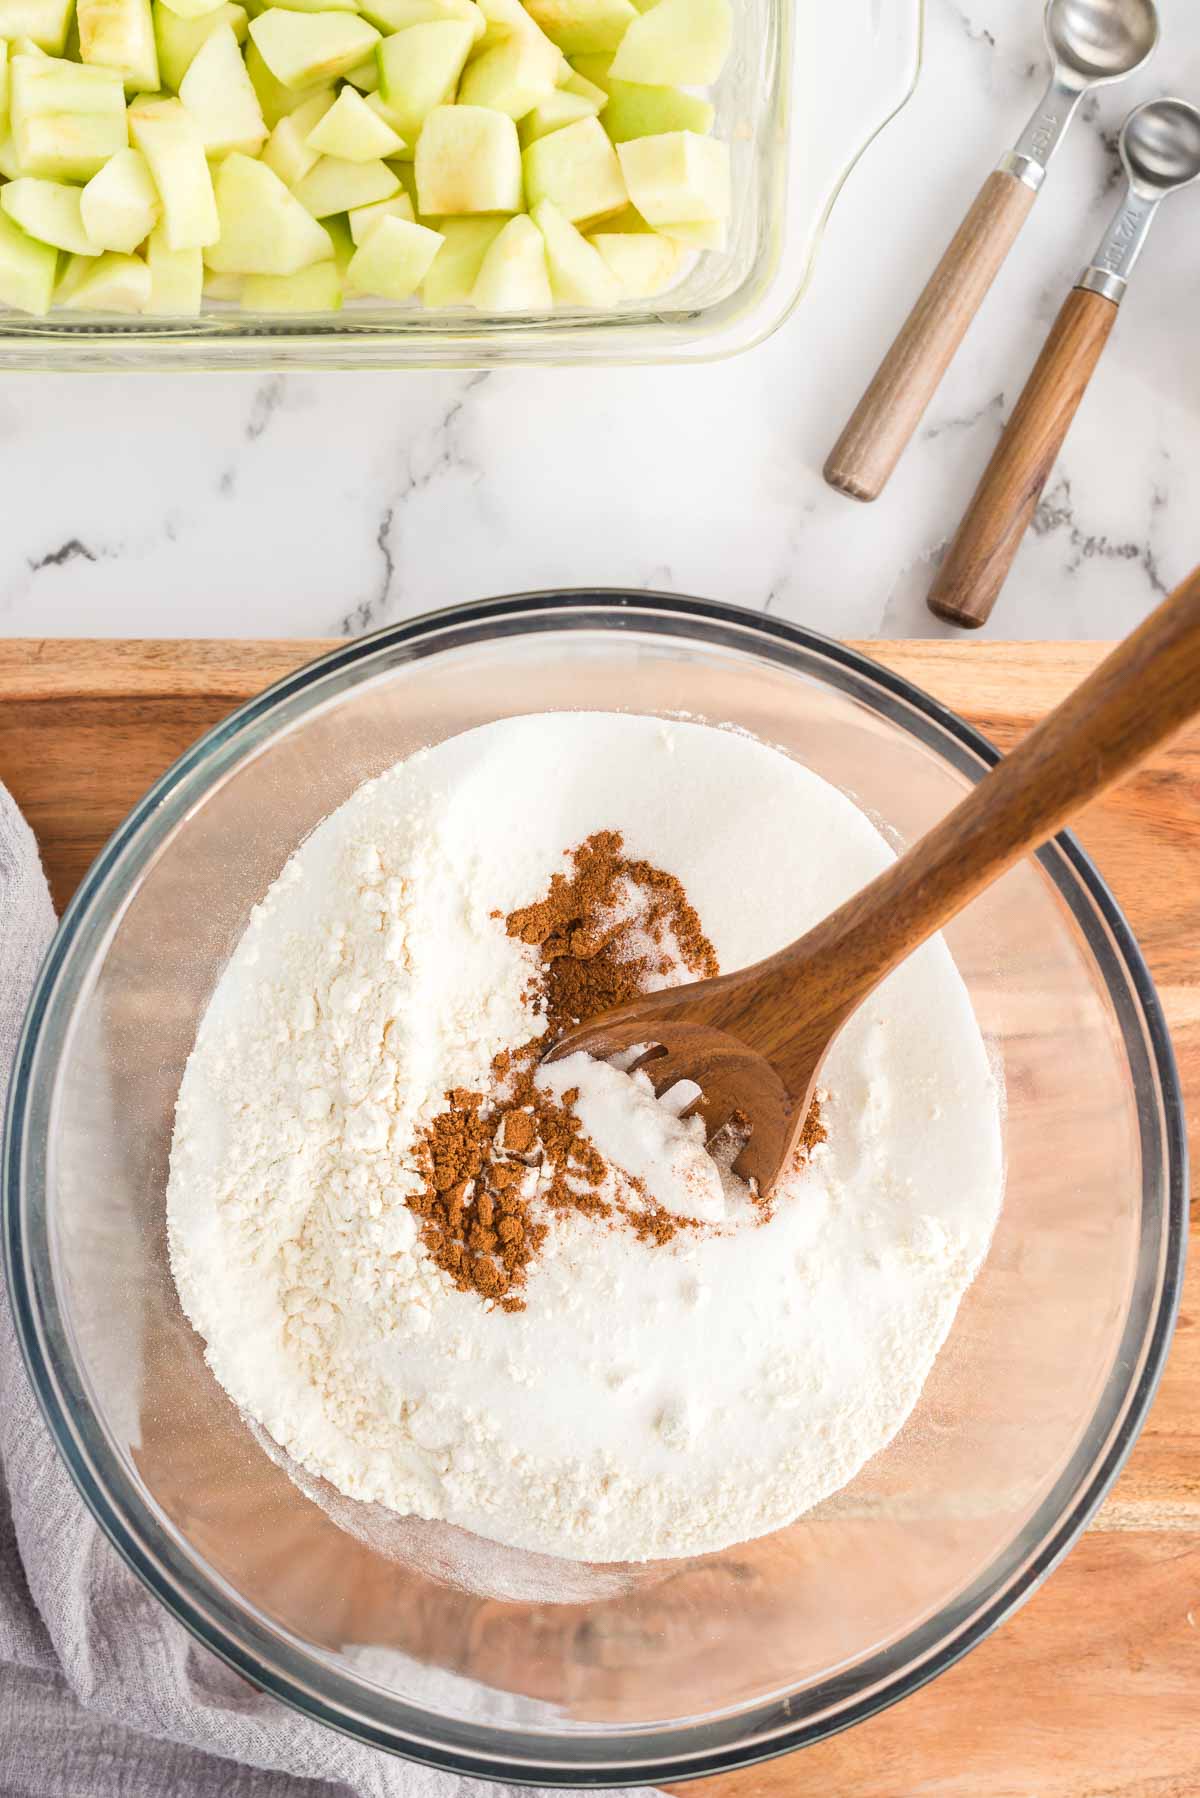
[(504, 19), (191, 9), (579, 276), (592, 69), (351, 130), (287, 150), (49, 211), (513, 76), (179, 40), (221, 99), (677, 177), (334, 185), (264, 230), (276, 100), (556, 110), (678, 43), (363, 219), (635, 111), (397, 15), (575, 83), (112, 283), (45, 22), (338, 228), (222, 287), (577, 169), (10, 168), (365, 76), (176, 278), (644, 263), (166, 134), (3, 86), (465, 243), (394, 260), (468, 160), (119, 34), (583, 27), (303, 48), (697, 234), (513, 276), (67, 120), (27, 269), (120, 205), (315, 289), (419, 70)]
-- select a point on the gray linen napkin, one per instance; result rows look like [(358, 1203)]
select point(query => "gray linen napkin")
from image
[(102, 1693)]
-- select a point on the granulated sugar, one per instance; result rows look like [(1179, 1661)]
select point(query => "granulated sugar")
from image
[(660, 1392)]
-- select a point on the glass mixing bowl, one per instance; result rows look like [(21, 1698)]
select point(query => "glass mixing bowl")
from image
[(806, 88), (498, 1663)]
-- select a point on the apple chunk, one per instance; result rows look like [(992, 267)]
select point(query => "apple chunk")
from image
[(678, 43), (579, 276), (394, 260), (119, 34), (677, 177), (66, 120), (419, 70), (120, 205), (221, 99), (642, 262), (583, 27), (27, 269), (468, 160), (49, 211), (513, 76), (465, 243), (577, 169), (513, 276), (301, 48), (264, 230), (166, 134), (110, 283), (353, 132)]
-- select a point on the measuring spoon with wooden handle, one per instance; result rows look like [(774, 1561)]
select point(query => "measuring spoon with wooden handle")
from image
[(1092, 42), (755, 1041), (1160, 147)]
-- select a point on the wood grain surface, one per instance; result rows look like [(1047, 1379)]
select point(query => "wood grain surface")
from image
[(1093, 1689), (864, 457), (977, 563)]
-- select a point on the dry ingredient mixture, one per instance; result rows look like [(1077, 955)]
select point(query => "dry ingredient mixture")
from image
[(529, 1300)]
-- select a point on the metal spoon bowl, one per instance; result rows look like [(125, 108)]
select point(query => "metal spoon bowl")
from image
[(1101, 40), (1160, 146)]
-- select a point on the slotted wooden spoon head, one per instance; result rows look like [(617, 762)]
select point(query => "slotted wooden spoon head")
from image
[(738, 1086)]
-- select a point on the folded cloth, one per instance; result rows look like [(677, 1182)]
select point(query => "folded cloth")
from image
[(102, 1693)]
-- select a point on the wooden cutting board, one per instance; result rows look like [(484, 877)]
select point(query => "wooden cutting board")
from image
[(1093, 1689)]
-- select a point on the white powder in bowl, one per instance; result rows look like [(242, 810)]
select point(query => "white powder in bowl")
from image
[(651, 1399)]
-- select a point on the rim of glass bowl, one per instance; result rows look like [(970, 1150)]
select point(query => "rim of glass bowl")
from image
[(279, 1663)]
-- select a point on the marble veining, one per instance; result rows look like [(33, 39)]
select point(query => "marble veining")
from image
[(300, 505)]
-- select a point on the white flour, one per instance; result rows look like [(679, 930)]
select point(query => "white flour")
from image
[(650, 1400)]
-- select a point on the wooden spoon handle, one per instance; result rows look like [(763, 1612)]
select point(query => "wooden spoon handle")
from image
[(1139, 696), (884, 420), (977, 563)]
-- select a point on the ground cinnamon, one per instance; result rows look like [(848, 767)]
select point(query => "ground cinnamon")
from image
[(609, 929)]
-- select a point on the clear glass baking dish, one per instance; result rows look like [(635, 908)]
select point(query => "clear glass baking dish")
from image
[(807, 87), (504, 1665)]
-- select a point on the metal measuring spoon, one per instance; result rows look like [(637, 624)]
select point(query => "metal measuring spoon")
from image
[(1160, 147), (1091, 42)]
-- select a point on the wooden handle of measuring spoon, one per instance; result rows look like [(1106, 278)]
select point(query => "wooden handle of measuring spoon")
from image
[(1138, 697), (977, 563), (865, 455)]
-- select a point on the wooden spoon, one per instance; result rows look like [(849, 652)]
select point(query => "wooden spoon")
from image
[(755, 1041)]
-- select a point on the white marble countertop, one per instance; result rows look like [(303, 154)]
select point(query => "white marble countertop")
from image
[(207, 505)]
